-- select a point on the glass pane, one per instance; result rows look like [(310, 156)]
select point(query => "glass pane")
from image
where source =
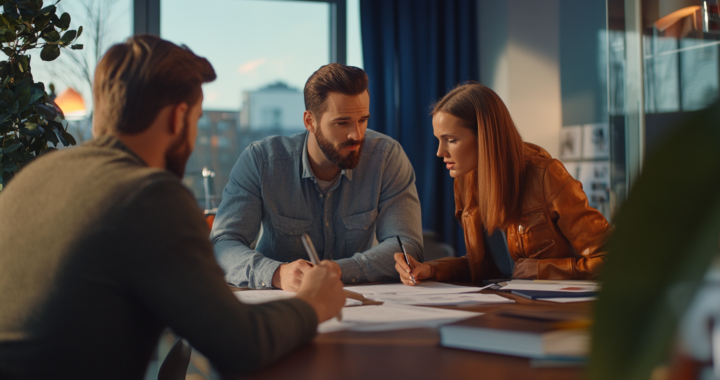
[(354, 39), (262, 52), (585, 140), (104, 22), (680, 62)]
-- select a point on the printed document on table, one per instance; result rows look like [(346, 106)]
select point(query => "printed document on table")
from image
[(425, 287), (267, 295), (564, 286), (441, 299), (392, 317)]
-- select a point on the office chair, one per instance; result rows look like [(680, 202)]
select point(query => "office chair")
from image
[(175, 365)]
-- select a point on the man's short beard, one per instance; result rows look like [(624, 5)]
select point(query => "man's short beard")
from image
[(177, 155), (333, 154)]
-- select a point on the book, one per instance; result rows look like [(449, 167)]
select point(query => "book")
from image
[(536, 335)]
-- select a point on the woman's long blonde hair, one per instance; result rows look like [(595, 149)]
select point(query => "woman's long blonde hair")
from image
[(501, 161)]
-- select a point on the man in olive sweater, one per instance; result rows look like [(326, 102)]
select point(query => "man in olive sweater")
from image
[(101, 246)]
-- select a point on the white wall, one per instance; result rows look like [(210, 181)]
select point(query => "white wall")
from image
[(520, 60)]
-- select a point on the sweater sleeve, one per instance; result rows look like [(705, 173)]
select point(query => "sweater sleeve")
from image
[(169, 266)]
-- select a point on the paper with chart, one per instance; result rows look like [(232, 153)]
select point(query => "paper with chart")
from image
[(425, 287), (441, 299), (267, 295), (392, 317)]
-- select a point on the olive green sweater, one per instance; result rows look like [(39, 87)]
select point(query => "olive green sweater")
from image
[(98, 253)]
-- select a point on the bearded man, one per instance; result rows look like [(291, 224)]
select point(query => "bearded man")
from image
[(342, 184)]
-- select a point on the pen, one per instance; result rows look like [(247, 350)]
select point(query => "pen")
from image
[(315, 259), (407, 261)]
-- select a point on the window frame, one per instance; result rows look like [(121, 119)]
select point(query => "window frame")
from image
[(146, 20)]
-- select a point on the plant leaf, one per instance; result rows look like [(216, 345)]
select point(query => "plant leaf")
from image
[(51, 136), (50, 9), (69, 138), (80, 29), (11, 148), (8, 51), (51, 36), (15, 107), (64, 22), (50, 52), (8, 96), (68, 37)]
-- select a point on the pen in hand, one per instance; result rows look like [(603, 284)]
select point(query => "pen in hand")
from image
[(407, 261), (315, 259)]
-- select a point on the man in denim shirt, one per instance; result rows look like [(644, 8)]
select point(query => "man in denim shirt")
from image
[(339, 182)]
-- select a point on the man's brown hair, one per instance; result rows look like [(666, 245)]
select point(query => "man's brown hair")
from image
[(334, 77), (501, 158), (136, 79)]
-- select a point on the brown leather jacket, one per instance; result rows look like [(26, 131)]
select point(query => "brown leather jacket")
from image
[(557, 227)]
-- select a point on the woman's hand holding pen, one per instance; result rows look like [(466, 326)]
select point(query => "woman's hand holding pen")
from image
[(417, 269)]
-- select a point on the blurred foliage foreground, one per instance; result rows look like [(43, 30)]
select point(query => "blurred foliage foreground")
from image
[(666, 237), (29, 120)]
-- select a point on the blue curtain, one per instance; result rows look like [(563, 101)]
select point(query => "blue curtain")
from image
[(415, 51)]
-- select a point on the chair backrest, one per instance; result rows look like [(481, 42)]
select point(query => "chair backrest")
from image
[(175, 365)]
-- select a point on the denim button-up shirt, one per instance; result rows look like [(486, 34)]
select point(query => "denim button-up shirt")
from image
[(272, 184)]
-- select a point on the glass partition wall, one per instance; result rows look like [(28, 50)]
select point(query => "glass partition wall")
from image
[(662, 66)]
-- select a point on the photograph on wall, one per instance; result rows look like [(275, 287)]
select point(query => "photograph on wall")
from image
[(596, 141), (571, 142), (595, 178)]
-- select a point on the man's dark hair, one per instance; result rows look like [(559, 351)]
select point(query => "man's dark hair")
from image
[(136, 79), (334, 77)]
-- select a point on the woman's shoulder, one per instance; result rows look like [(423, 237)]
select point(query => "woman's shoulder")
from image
[(543, 174)]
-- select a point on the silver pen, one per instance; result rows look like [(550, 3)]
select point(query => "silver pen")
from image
[(315, 259), (407, 261)]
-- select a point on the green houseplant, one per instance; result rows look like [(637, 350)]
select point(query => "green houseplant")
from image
[(665, 240), (29, 120)]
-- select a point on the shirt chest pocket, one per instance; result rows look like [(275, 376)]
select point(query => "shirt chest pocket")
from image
[(359, 230), (535, 233), (286, 241)]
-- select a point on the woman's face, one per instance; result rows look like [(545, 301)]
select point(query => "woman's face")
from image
[(458, 144)]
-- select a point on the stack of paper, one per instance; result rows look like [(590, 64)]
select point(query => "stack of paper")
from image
[(427, 293), (392, 317), (554, 291)]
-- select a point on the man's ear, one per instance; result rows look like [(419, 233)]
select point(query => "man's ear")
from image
[(179, 114), (309, 121)]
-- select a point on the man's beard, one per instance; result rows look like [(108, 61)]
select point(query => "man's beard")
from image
[(177, 155), (333, 154)]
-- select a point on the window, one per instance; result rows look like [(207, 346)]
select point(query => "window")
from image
[(263, 52), (104, 22)]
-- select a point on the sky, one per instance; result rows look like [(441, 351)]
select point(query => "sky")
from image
[(251, 43)]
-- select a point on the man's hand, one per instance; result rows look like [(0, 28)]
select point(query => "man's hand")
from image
[(322, 289), (420, 270), (289, 276), (526, 268)]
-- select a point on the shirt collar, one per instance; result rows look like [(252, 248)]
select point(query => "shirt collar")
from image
[(307, 169)]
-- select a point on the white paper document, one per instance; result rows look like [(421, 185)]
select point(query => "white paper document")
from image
[(392, 317), (441, 299), (425, 287), (267, 295), (561, 286)]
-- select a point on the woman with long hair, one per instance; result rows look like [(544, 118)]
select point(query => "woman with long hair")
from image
[(523, 215)]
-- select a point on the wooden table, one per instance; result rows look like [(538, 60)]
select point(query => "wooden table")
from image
[(413, 354)]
